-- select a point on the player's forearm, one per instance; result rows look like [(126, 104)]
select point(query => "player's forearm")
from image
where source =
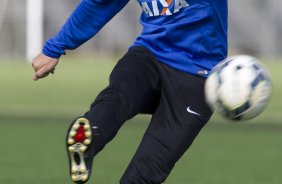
[(87, 19)]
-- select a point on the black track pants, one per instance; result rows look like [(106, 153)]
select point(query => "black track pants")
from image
[(141, 84)]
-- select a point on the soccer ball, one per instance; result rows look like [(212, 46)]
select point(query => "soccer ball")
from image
[(239, 88)]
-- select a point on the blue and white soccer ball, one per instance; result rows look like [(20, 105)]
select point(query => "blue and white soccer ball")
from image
[(239, 88)]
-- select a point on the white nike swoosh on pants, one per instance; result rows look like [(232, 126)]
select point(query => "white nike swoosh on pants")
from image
[(192, 112)]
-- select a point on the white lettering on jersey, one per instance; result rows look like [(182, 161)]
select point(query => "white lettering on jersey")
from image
[(163, 7), (155, 8), (179, 4), (146, 8)]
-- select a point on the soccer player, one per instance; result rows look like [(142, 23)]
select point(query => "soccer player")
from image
[(163, 74)]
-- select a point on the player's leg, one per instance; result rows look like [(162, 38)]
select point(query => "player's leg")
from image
[(179, 118), (133, 89)]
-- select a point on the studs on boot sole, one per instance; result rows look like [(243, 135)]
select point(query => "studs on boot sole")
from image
[(87, 141), (84, 177), (79, 177), (71, 149), (70, 141), (72, 133), (87, 134), (86, 126), (74, 177)]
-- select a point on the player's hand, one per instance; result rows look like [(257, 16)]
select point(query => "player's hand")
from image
[(43, 66)]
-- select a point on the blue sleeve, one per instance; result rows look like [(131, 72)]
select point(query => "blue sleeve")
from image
[(86, 20)]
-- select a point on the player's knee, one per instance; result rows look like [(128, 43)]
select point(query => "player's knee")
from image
[(113, 94)]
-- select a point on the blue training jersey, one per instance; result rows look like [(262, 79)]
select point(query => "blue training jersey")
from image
[(189, 35)]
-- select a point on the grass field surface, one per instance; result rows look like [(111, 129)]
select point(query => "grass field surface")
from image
[(34, 117)]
